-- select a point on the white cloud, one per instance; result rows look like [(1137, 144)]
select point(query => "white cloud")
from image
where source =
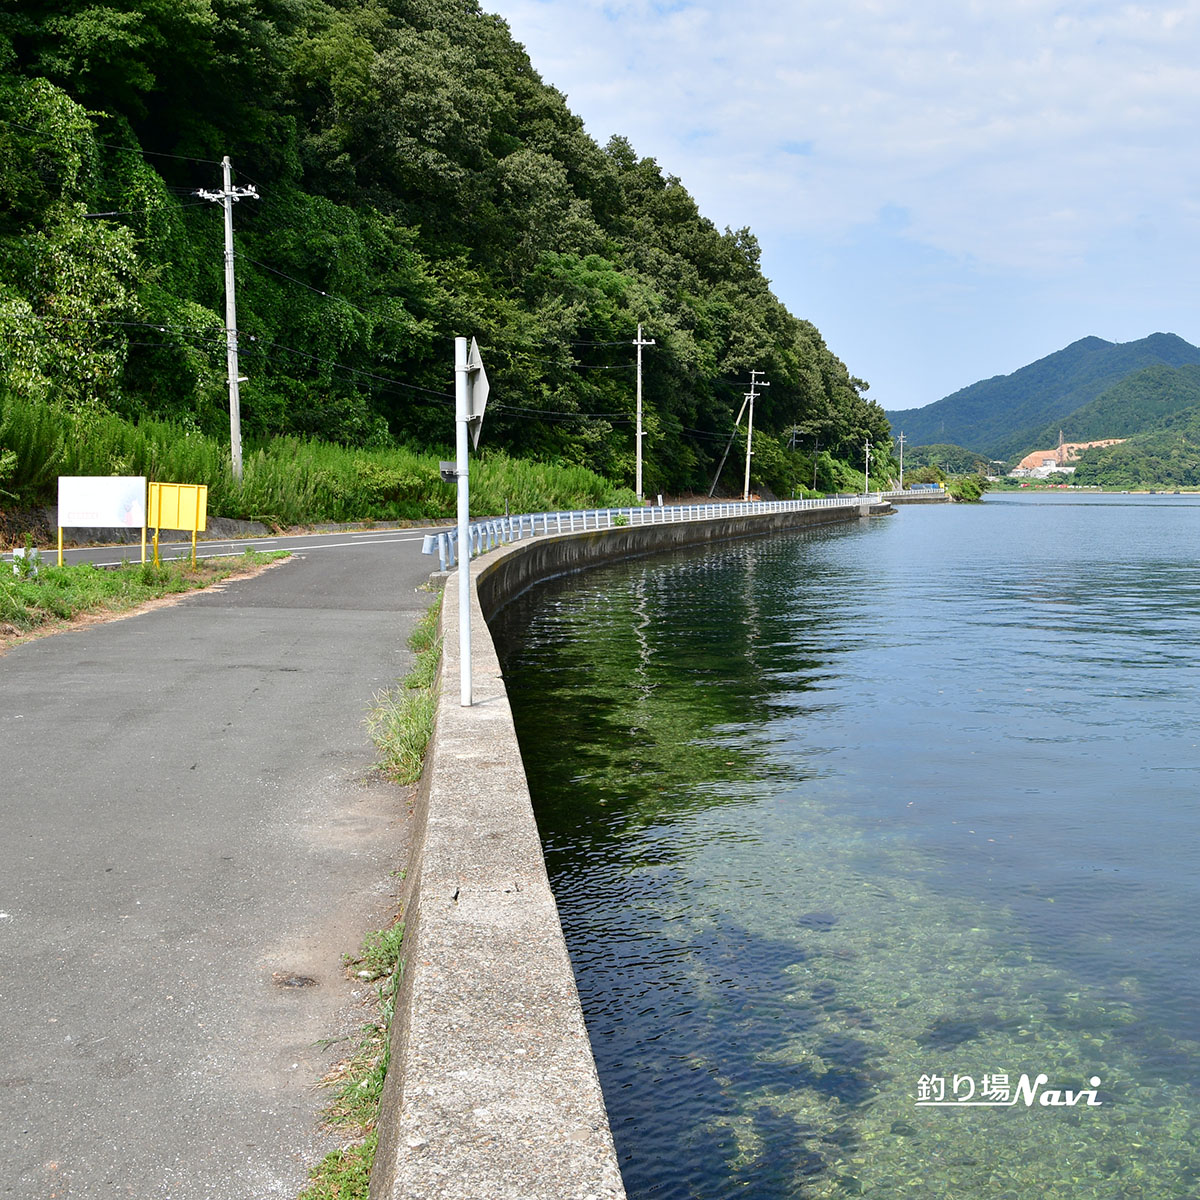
[(948, 188), (1013, 134)]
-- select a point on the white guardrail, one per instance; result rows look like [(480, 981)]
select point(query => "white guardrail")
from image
[(485, 535)]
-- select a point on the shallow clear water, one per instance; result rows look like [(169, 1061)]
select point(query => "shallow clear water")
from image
[(830, 812)]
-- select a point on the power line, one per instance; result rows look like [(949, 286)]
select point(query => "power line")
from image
[(544, 412), (255, 345), (251, 344), (559, 362), (113, 146), (448, 397), (253, 348), (298, 282), (125, 212)]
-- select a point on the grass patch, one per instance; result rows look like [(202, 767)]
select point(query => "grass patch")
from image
[(345, 1174), (401, 719), (380, 952), (54, 596)]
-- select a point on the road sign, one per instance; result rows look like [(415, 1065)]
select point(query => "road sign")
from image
[(477, 393)]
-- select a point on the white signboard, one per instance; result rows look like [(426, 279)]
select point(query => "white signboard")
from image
[(101, 501)]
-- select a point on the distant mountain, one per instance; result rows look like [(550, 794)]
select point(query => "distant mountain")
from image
[(1138, 404), (1007, 414)]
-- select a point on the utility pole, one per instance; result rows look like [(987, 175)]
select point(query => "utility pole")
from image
[(226, 198), (900, 439), (867, 466), (749, 442), (750, 396), (639, 344)]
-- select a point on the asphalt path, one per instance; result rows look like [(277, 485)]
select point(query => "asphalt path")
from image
[(189, 821), (112, 556)]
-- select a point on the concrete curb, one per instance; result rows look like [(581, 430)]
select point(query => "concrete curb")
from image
[(492, 1092)]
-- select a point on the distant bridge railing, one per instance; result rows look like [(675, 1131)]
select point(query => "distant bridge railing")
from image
[(485, 535)]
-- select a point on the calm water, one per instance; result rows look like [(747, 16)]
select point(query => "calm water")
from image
[(831, 812)]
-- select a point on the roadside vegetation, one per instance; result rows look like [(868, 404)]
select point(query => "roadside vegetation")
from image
[(286, 480), (44, 598), (357, 1081), (401, 718)]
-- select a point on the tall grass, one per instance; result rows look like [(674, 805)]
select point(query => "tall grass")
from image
[(285, 481), (401, 719)]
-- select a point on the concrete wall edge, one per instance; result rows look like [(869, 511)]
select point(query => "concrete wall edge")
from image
[(492, 1091)]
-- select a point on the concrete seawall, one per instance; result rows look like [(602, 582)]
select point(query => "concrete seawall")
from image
[(492, 1093)]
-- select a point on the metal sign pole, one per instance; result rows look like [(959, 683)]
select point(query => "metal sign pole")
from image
[(461, 417), (639, 344)]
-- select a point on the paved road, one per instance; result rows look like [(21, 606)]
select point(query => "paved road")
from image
[(111, 556), (186, 811)]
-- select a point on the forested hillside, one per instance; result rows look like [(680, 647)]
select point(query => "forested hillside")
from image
[(1008, 415), (417, 180), (1137, 404), (1167, 457)]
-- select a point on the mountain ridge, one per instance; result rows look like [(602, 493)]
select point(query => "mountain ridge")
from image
[(1009, 414)]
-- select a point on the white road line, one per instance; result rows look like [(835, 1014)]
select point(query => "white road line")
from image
[(132, 552)]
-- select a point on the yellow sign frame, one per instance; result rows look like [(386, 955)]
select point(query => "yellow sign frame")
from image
[(177, 506)]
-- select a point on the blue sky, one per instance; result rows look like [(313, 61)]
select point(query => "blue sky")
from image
[(948, 189)]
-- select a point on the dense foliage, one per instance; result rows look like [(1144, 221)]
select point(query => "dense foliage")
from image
[(968, 489), (1168, 457), (952, 460), (1009, 415), (417, 181)]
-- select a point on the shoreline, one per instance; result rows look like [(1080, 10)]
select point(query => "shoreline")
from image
[(493, 1089)]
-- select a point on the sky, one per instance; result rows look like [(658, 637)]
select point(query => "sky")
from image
[(947, 189)]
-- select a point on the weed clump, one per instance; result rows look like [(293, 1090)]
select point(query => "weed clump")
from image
[(401, 721)]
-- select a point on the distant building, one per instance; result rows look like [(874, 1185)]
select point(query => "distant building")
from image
[(1041, 463)]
